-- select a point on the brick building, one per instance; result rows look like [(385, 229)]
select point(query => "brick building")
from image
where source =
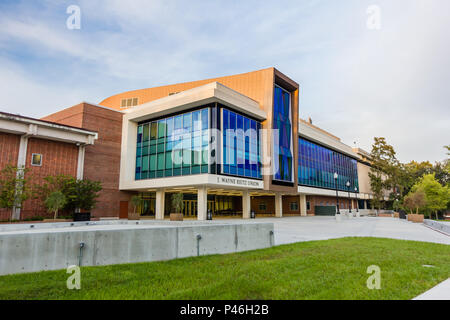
[(217, 128), (44, 148)]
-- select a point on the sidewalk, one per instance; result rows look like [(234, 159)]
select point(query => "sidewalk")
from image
[(440, 292)]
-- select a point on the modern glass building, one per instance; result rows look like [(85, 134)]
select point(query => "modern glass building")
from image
[(282, 125), (317, 166), (241, 145), (173, 146)]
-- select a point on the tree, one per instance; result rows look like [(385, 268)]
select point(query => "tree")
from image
[(384, 173), (79, 194), (448, 149), (409, 174), (177, 202), (136, 201), (436, 195), (62, 183), (14, 188), (415, 201), (55, 202), (84, 194), (442, 173)]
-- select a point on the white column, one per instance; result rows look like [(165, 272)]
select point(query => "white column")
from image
[(303, 209), (246, 207), (80, 163), (21, 164), (278, 205), (202, 203), (159, 204)]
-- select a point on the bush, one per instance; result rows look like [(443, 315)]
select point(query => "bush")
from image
[(55, 202), (79, 194), (177, 202)]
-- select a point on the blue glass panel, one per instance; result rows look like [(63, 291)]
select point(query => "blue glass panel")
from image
[(205, 119), (240, 145), (282, 150), (318, 164)]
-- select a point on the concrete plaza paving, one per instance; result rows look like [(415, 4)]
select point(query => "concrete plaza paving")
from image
[(300, 229)]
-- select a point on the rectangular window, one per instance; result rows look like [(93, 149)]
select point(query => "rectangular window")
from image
[(36, 159), (317, 165), (294, 206), (173, 146), (282, 147), (241, 153)]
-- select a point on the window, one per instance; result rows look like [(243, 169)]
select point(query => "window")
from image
[(127, 103), (282, 147), (173, 146), (308, 205), (294, 206), (241, 145), (317, 165), (262, 206), (36, 159)]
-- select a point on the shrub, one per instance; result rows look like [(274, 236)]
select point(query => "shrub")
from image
[(177, 202), (55, 202)]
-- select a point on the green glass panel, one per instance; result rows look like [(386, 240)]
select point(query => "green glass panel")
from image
[(153, 162), (146, 132), (161, 161)]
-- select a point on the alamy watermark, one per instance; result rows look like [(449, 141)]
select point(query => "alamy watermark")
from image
[(230, 147), (74, 281), (73, 22), (374, 281), (374, 17)]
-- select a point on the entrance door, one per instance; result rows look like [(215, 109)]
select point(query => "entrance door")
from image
[(123, 213), (211, 206), (190, 208)]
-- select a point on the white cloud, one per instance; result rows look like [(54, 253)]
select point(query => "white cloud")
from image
[(356, 83)]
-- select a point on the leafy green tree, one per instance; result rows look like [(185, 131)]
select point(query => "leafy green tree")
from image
[(14, 188), (79, 194), (84, 194), (55, 202), (442, 172), (384, 173), (436, 195), (63, 183), (411, 172), (415, 201)]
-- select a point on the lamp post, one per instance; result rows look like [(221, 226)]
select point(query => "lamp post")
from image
[(357, 203), (338, 213), (349, 200)]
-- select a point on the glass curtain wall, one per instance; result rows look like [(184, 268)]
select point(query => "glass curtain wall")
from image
[(174, 146), (282, 149), (241, 145), (317, 165)]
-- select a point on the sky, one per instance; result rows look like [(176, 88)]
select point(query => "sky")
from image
[(363, 73)]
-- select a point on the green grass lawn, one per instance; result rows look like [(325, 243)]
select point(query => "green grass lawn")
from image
[(334, 269)]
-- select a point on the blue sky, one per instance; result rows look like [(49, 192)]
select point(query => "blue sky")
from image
[(357, 83)]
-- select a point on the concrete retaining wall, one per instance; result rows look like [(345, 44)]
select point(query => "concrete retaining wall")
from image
[(440, 226), (52, 249)]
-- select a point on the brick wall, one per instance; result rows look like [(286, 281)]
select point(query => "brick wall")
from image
[(287, 200), (327, 201), (102, 160), (9, 151), (57, 158), (268, 201)]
